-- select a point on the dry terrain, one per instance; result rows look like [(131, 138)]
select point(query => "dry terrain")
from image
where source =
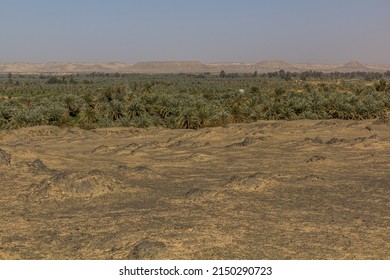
[(266, 190), (264, 66)]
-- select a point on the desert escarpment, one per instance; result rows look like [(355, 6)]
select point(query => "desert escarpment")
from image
[(155, 67)]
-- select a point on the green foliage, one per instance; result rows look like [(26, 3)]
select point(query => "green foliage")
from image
[(56, 114), (188, 101), (72, 104), (381, 86), (89, 116)]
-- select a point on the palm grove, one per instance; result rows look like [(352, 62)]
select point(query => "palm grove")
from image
[(189, 101)]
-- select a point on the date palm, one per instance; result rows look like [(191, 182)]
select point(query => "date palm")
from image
[(73, 104), (89, 115), (188, 118), (135, 108), (203, 115), (56, 114)]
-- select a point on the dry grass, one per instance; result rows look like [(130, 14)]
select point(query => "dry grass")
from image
[(265, 190)]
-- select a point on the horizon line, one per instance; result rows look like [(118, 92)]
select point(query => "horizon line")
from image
[(190, 60)]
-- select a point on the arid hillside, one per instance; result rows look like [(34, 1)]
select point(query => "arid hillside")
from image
[(184, 67), (305, 189)]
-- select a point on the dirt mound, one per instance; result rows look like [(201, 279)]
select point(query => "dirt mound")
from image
[(316, 158), (249, 141), (35, 166), (187, 144), (200, 157), (360, 139), (196, 194), (316, 140), (5, 158), (149, 145), (364, 142), (311, 177), (101, 149), (77, 184), (42, 131), (130, 149), (335, 141), (127, 149), (382, 120), (138, 172), (115, 131), (327, 123), (254, 182), (147, 250)]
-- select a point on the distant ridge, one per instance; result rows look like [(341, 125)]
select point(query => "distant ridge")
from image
[(64, 67), (275, 65), (353, 66), (169, 67), (272, 64), (151, 67)]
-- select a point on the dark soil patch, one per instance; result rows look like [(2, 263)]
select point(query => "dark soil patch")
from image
[(196, 193), (316, 158), (316, 140), (35, 166), (5, 158), (78, 184), (138, 171), (250, 141), (335, 141)]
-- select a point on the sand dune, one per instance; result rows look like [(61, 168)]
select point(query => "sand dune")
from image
[(266, 190)]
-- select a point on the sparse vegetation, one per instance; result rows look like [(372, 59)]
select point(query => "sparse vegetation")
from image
[(188, 101)]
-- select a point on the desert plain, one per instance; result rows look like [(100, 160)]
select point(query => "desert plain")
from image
[(303, 189)]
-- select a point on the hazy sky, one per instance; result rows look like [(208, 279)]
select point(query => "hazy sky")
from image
[(314, 31)]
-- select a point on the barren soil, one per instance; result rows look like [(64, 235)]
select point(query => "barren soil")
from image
[(265, 190)]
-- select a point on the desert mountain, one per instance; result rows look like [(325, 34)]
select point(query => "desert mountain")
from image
[(275, 65), (264, 66), (64, 67), (231, 67), (353, 66), (169, 67)]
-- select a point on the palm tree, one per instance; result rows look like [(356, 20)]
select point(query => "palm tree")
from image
[(135, 108), (188, 118), (203, 114), (114, 110), (89, 115), (317, 104), (56, 114), (222, 117), (73, 104), (142, 121)]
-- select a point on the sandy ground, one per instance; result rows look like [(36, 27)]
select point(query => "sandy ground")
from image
[(265, 190)]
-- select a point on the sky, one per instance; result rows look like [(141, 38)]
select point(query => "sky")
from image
[(297, 31)]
